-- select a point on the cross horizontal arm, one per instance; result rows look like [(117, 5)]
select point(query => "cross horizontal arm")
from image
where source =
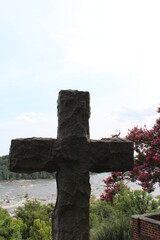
[(111, 155), (29, 155)]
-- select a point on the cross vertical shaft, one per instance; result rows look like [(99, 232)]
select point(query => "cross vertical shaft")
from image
[(71, 214)]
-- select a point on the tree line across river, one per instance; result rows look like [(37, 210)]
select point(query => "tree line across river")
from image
[(5, 174)]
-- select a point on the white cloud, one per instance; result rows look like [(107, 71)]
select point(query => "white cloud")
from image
[(28, 124), (136, 114), (24, 118), (28, 117), (104, 124), (36, 124)]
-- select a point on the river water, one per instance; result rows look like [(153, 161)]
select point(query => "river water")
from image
[(13, 194)]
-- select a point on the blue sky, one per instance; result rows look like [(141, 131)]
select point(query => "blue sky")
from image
[(109, 48)]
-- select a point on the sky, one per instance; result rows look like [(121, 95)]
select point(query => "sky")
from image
[(109, 48)]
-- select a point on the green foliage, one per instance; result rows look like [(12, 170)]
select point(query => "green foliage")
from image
[(41, 230), (134, 202), (9, 227), (32, 222), (99, 211), (5, 174), (117, 227), (112, 221), (108, 221), (32, 211), (158, 198)]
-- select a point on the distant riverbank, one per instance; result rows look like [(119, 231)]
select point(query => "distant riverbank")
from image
[(14, 193)]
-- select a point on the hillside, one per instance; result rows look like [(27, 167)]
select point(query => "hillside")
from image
[(5, 174)]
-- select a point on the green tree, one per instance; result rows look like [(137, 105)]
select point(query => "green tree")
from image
[(41, 230), (116, 227), (32, 211), (134, 202), (99, 211), (5, 174), (112, 220), (9, 227)]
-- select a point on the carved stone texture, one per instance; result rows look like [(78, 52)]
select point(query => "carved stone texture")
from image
[(72, 155), (73, 114)]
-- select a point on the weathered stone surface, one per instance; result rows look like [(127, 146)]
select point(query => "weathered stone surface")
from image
[(33, 154), (71, 214), (72, 155), (112, 154), (73, 114), (45, 154)]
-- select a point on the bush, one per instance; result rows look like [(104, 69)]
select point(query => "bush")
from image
[(31, 212), (117, 227), (134, 202), (112, 220), (9, 227), (41, 230)]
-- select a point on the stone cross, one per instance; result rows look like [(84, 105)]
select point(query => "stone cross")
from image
[(72, 155)]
